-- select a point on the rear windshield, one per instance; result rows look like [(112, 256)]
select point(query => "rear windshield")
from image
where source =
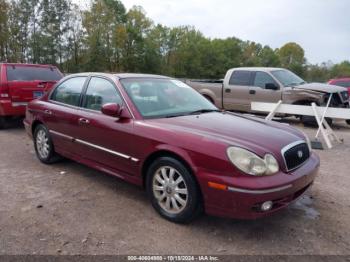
[(342, 83), (27, 73)]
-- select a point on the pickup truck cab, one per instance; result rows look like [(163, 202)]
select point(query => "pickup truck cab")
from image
[(21, 83), (241, 86)]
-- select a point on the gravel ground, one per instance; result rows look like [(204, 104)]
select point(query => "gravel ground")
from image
[(68, 208)]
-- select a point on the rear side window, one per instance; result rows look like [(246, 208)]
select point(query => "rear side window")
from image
[(99, 92), (69, 91), (240, 78), (262, 78), (31, 73)]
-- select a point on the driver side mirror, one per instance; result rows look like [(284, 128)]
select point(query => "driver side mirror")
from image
[(111, 109), (271, 86)]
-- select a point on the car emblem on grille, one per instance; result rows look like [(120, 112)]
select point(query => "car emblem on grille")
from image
[(300, 154)]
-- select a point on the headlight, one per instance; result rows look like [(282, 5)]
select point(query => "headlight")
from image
[(252, 164)]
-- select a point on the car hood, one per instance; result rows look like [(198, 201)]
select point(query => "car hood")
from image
[(324, 88), (252, 133)]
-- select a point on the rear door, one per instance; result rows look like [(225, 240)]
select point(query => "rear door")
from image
[(236, 91), (62, 112), (30, 82), (258, 91)]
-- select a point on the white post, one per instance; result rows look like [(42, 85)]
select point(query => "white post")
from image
[(272, 113), (324, 113), (321, 128)]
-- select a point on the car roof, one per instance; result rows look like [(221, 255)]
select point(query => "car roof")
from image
[(340, 79), (133, 75), (265, 69), (29, 65), (119, 75)]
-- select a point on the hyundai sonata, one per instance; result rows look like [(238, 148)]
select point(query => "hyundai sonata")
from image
[(159, 133)]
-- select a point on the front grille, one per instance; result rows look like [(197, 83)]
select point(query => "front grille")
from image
[(345, 96), (295, 155)]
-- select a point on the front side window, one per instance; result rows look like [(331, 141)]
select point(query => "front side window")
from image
[(158, 98), (262, 78), (240, 78), (99, 92), (69, 91), (31, 73)]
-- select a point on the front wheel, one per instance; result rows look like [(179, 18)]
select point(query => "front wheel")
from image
[(43, 145), (348, 121), (173, 191), (311, 121)]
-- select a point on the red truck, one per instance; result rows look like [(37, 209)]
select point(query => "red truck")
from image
[(344, 82), (21, 83)]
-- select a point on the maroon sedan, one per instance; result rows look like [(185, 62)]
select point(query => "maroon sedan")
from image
[(158, 133)]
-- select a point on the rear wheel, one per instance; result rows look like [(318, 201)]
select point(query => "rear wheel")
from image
[(173, 191), (2, 122), (43, 145)]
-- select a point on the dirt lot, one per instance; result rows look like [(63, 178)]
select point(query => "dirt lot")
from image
[(68, 208)]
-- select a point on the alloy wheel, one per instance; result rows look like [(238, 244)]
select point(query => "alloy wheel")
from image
[(170, 189)]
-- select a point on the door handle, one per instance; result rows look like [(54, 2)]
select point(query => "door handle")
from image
[(83, 121), (228, 90), (252, 92), (48, 112)]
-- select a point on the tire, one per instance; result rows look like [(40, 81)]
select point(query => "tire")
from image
[(348, 121), (2, 122), (179, 203), (311, 121), (43, 145)]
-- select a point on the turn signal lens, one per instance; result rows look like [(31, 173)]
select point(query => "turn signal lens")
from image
[(217, 186)]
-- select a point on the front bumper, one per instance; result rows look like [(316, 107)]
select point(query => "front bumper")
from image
[(245, 194)]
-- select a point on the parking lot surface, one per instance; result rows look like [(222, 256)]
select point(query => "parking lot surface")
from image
[(67, 208)]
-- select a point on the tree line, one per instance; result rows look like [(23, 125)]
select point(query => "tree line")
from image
[(107, 37)]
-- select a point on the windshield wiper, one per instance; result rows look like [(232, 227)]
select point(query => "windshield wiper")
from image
[(203, 111), (196, 112)]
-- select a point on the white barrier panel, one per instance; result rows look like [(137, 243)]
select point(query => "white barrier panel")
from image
[(331, 112), (320, 113)]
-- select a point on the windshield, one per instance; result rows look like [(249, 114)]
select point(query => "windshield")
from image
[(158, 98), (287, 78)]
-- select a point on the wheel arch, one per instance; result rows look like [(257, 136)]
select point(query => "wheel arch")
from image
[(35, 124)]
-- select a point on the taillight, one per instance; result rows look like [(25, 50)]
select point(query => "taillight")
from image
[(4, 92)]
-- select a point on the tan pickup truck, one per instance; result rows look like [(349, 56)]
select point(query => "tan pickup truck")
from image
[(242, 86)]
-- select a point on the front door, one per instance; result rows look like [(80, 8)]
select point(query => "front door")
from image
[(105, 139)]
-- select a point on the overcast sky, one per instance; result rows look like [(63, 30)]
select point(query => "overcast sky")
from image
[(321, 27)]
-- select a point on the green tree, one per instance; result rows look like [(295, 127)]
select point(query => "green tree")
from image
[(4, 33), (292, 56)]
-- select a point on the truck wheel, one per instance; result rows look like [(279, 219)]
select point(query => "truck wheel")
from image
[(173, 191), (311, 121), (43, 146), (348, 121)]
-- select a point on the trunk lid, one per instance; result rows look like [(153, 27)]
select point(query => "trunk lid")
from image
[(28, 82)]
